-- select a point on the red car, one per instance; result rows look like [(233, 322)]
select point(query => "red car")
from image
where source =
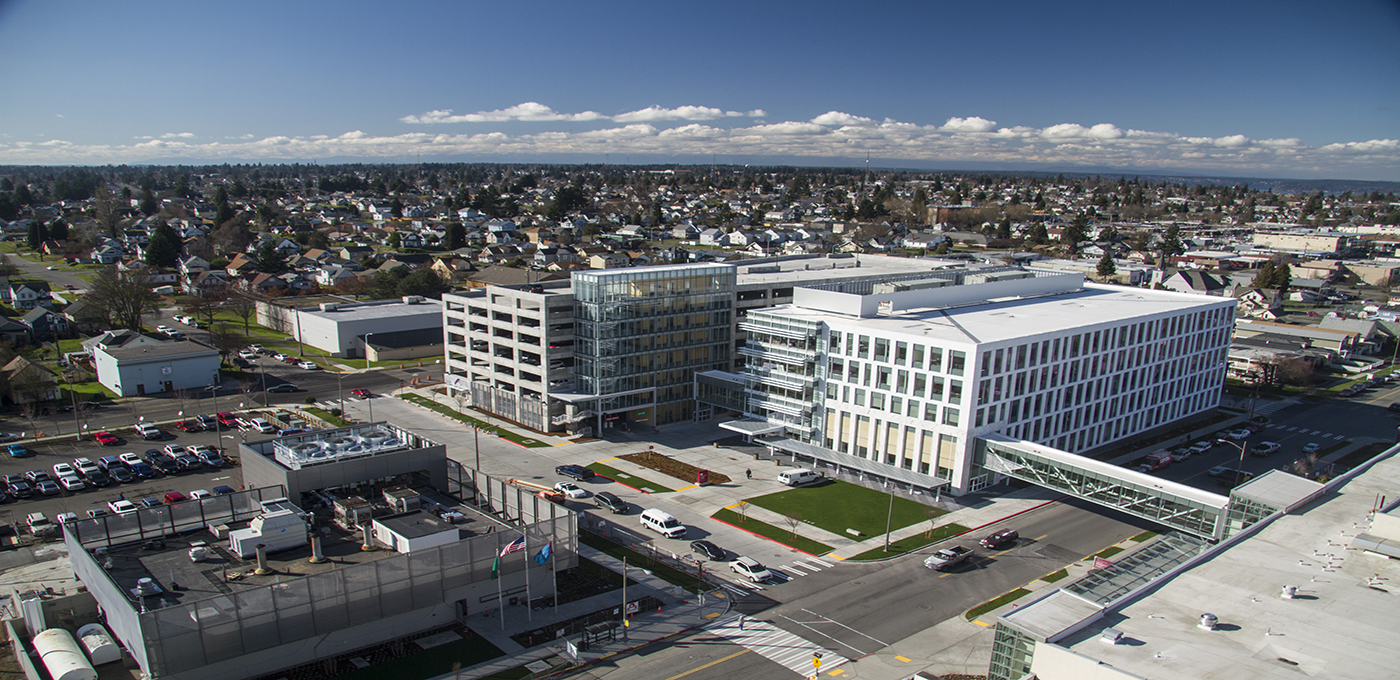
[(292, 360), (361, 393), (189, 426), (106, 439), (227, 419)]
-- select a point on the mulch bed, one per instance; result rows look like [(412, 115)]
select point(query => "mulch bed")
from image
[(670, 466)]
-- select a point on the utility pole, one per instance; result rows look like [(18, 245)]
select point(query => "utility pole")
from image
[(889, 521), (624, 599)]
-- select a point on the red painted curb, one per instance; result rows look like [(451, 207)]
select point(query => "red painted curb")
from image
[(804, 552), (1016, 514)]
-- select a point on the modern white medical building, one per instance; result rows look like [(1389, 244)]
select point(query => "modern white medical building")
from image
[(900, 378)]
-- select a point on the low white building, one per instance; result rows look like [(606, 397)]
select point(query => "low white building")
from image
[(341, 328), (143, 369)]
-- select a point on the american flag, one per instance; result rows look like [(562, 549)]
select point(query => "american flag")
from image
[(515, 546)]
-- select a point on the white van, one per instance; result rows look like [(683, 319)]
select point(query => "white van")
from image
[(798, 477), (662, 523)]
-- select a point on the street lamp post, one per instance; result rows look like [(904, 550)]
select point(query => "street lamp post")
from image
[(340, 392), (1242, 447), (218, 439), (889, 521)]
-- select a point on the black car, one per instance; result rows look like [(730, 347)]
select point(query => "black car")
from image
[(98, 478), (578, 472), (605, 499), (1000, 539), (711, 551), (284, 387), (36, 476), (163, 462), (189, 462), (121, 473), (20, 489)]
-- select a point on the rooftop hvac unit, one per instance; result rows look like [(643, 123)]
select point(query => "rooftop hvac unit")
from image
[(337, 443), (329, 306), (307, 450), (1208, 621), (412, 299)]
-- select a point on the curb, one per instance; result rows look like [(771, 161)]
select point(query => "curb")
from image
[(963, 533), (804, 552)]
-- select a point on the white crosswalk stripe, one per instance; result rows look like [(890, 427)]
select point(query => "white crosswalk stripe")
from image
[(805, 565), (775, 644), (794, 570), (824, 564)]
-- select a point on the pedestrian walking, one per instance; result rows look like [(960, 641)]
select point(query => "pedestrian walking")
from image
[(748, 474)]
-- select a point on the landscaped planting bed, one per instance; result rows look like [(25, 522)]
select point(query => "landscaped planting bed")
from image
[(670, 466)]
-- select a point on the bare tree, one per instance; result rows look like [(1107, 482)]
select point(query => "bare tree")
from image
[(933, 516), (226, 340), (793, 519), (243, 307), (743, 508), (125, 297), (204, 307)]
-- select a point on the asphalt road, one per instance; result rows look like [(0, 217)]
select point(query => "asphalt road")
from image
[(57, 278), (858, 609)]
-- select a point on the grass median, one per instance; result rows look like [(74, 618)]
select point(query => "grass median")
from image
[(910, 544), (989, 606), (837, 506), (629, 479), (323, 414), (474, 422), (772, 533)]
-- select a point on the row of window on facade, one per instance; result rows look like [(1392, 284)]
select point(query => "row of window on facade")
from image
[(897, 352)]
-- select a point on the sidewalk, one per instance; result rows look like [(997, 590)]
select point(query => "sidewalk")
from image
[(681, 612)]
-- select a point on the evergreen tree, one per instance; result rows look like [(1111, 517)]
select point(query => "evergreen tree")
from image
[(164, 248), (149, 206), (1074, 234), (1282, 278), (36, 235), (1264, 278), (1171, 245), (456, 236), (58, 230), (270, 260), (1004, 229), (1106, 266)]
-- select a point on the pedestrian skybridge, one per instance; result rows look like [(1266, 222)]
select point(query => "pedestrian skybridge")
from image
[(1175, 505)]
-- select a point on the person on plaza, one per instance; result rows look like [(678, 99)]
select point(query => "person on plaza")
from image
[(748, 474)]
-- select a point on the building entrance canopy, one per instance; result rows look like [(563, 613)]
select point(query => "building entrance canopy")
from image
[(820, 454)]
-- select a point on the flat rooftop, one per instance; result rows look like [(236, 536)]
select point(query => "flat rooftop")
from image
[(1341, 625), (318, 447), (1009, 319), (829, 269), (168, 564), (376, 310)]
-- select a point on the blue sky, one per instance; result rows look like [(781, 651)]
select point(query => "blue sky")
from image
[(1292, 89)]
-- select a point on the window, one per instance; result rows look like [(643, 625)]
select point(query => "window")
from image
[(863, 349), (860, 398), (950, 416), (901, 352), (931, 413), (877, 400), (956, 361), (918, 359), (882, 349), (896, 405)]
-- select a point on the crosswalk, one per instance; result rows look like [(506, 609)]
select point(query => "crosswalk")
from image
[(1269, 407), (803, 567), (1306, 432), (797, 568), (775, 644)]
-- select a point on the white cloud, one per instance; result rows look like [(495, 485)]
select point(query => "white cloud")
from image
[(678, 132), (839, 118), (528, 111), (970, 124)]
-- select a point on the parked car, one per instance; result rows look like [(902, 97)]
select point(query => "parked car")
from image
[(121, 507), (66, 517), (188, 462), (1311, 447), (750, 568), (211, 458), (1202, 447), (578, 472), (227, 419), (106, 439), (143, 470), (1264, 448), (208, 421), (148, 502), (18, 488), (97, 512), (610, 501), (223, 490), (130, 458), (164, 463), (571, 490), (292, 360), (149, 431), (308, 365), (709, 550), (198, 494), (17, 450), (173, 450), (36, 476), (248, 355), (48, 487), (121, 474), (71, 483), (62, 469), (109, 462), (173, 497), (189, 426)]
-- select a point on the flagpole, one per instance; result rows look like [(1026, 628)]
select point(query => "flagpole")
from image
[(529, 611), (500, 598)]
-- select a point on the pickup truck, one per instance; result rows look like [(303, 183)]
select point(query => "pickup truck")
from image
[(947, 558)]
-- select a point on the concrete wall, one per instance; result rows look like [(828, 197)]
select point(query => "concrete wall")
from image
[(261, 470), (406, 353)]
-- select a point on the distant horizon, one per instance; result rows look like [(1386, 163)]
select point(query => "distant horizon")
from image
[(1286, 89)]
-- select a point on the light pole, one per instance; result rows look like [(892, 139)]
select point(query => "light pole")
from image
[(624, 598), (218, 424), (340, 392), (77, 427), (366, 341), (889, 521), (1242, 447)]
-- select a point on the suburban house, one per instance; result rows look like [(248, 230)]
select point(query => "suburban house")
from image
[(29, 294), (45, 325), (28, 382)]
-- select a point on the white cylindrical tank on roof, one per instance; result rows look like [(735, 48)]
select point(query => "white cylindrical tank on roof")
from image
[(62, 656), (100, 646)]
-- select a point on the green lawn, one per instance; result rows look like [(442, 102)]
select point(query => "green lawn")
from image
[(989, 606), (335, 421), (87, 391), (662, 571), (1144, 536), (1051, 578), (501, 432), (275, 340), (769, 531), (429, 663), (837, 506), (910, 544), (629, 479), (1106, 553)]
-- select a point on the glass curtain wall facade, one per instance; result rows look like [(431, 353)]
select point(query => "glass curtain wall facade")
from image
[(642, 334)]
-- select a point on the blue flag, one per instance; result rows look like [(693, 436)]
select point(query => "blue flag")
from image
[(544, 553)]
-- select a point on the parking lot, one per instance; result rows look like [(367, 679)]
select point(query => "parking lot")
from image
[(44, 457)]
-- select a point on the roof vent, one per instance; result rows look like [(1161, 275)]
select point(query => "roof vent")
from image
[(412, 299), (329, 306), (145, 587), (1112, 636), (1289, 592), (1208, 621)]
